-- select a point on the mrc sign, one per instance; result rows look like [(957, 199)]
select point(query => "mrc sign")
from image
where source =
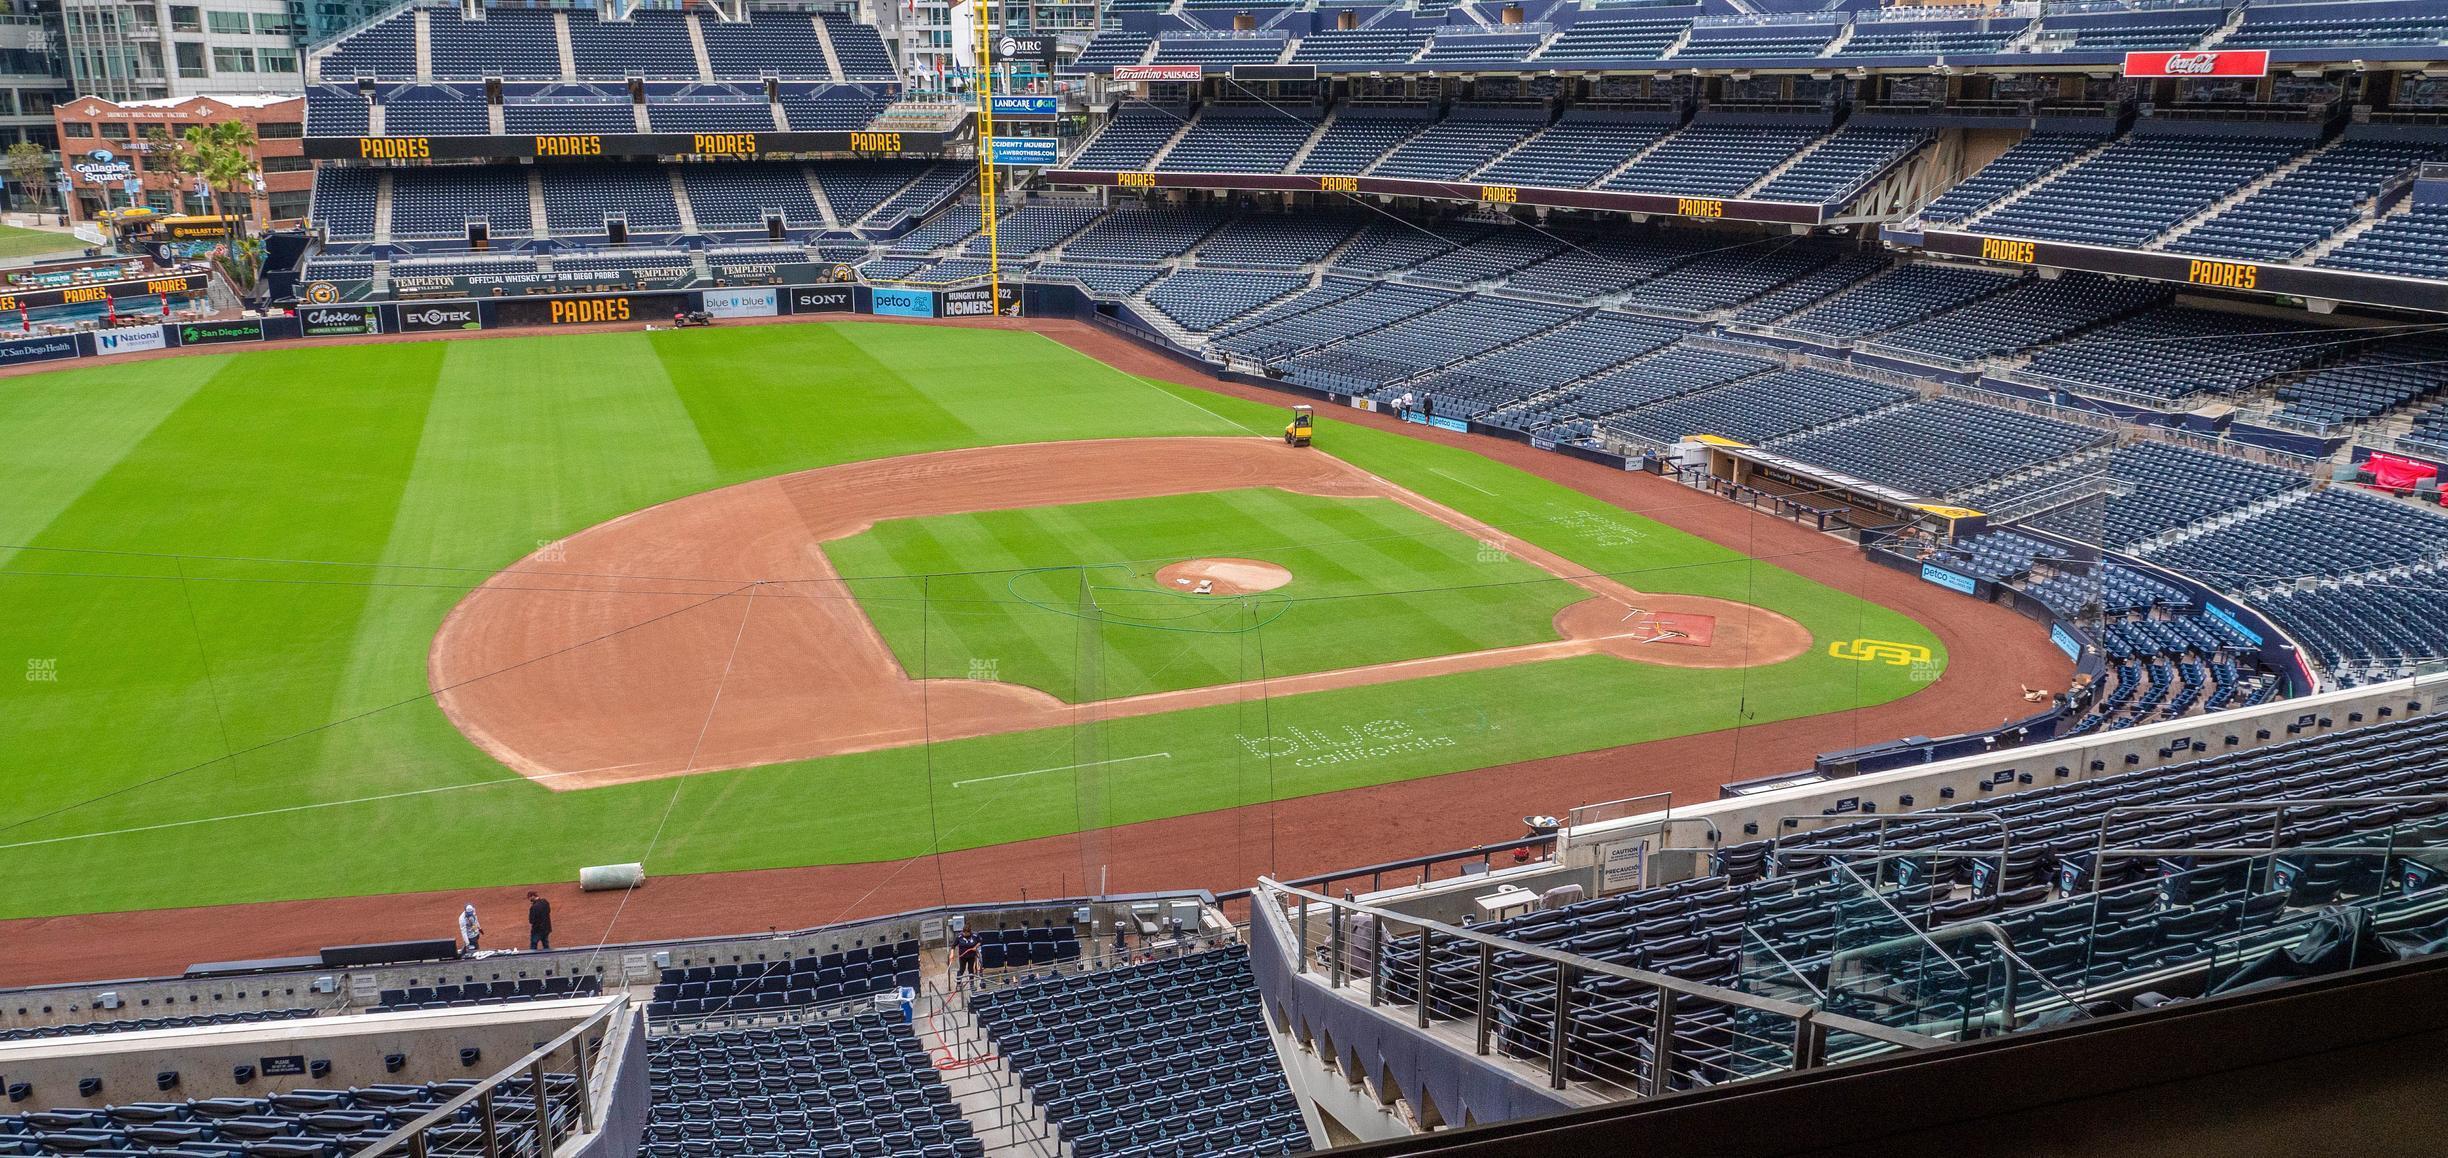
[(2197, 65)]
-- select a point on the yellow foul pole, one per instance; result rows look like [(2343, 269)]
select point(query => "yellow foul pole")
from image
[(984, 92)]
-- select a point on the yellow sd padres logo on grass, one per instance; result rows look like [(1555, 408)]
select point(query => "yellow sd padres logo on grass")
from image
[(1886, 651)]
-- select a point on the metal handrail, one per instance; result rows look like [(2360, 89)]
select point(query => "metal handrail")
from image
[(1805, 1015), (531, 1065), (1776, 844), (2101, 852)]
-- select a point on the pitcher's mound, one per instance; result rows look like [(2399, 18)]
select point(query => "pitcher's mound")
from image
[(1222, 576)]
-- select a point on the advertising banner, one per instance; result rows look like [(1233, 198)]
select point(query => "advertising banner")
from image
[(625, 308), (823, 299), (219, 333), (1027, 108), (743, 303), (2065, 641), (129, 340), (49, 349), (1127, 73), (886, 302), (1033, 151), (1950, 580), (1024, 48), (335, 321), (734, 145), (2187, 65), (423, 318), (971, 303)]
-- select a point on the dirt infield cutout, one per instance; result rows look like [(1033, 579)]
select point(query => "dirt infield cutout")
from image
[(627, 651), (1222, 576)]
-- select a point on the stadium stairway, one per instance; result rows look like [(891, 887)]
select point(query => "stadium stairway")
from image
[(2026, 189), (2248, 189), (2370, 219), (983, 1085)]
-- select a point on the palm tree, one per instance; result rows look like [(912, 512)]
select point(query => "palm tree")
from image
[(224, 154)]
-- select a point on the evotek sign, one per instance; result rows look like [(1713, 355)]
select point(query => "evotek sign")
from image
[(423, 319), (2193, 65)]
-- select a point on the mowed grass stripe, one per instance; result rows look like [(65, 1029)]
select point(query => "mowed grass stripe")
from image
[(242, 480), (216, 478), (67, 430), (524, 443)]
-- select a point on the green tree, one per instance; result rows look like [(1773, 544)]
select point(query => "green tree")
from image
[(171, 157), (28, 163), (241, 263), (224, 154)]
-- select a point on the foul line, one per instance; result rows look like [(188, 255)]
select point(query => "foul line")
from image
[(1064, 768), (1465, 482)]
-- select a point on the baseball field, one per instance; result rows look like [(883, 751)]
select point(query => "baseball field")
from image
[(346, 620)]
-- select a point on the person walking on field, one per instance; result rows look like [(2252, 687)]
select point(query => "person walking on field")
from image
[(471, 930), (539, 922)]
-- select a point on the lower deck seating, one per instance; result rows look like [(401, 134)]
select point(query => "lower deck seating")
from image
[(301, 1123), (715, 990), (861, 1084), (1173, 1050)]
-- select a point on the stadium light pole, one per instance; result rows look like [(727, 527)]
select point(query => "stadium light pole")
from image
[(983, 91)]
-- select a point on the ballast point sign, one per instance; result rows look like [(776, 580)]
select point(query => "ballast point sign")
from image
[(2192, 65)]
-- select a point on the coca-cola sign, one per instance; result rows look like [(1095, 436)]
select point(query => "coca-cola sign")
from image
[(2192, 65)]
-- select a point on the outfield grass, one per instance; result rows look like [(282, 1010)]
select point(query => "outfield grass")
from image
[(223, 573), (1023, 592), (16, 241)]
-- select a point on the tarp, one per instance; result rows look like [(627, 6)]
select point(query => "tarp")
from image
[(2392, 473)]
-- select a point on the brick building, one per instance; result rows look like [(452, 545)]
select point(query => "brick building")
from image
[(99, 136)]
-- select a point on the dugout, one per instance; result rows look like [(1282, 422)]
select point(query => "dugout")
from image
[(1855, 508)]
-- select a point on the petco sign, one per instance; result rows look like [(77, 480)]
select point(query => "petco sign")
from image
[(2197, 64)]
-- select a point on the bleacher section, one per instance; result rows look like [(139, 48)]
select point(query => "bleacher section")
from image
[(1771, 916), (825, 979), (2138, 188), (1712, 160), (1940, 446), (299, 1122), (852, 1084), (1173, 1050), (2174, 352), (2170, 487), (2296, 211), (1754, 410)]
